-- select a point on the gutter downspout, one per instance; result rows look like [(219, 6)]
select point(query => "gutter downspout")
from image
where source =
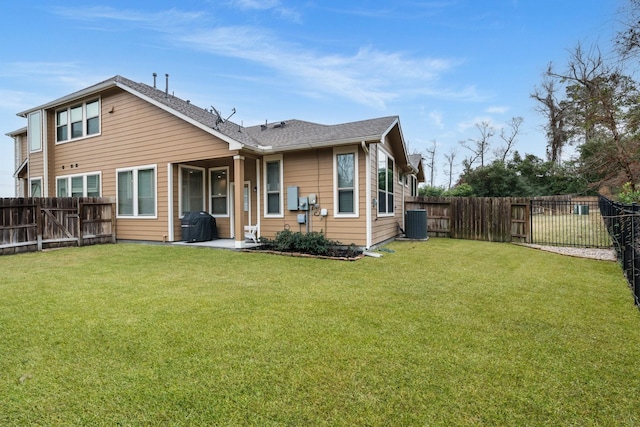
[(45, 154), (258, 192), (367, 162)]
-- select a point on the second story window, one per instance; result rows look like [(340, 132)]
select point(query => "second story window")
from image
[(34, 131), (78, 121)]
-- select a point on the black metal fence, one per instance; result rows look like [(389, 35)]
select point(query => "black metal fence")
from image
[(568, 221), (623, 224)]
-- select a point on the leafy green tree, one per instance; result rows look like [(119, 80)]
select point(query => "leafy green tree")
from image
[(430, 191), (460, 190), (628, 195), (496, 180)]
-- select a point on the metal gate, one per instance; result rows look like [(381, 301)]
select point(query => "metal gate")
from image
[(567, 221)]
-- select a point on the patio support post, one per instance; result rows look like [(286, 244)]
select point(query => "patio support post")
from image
[(238, 201)]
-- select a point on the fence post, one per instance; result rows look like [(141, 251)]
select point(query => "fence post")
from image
[(113, 223), (635, 252), (80, 231), (528, 222), (39, 227)]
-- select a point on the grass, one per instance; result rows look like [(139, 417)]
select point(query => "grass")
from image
[(571, 230), (443, 332)]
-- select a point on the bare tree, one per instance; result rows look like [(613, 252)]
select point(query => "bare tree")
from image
[(451, 159), (554, 111), (510, 138), (480, 146), (430, 156), (628, 40), (602, 109)]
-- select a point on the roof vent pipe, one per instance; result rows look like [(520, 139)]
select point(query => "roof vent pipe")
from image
[(166, 91), (154, 79)]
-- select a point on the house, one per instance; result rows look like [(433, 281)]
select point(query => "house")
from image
[(160, 156)]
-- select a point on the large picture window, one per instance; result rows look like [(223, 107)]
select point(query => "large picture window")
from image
[(136, 189), (86, 185), (385, 183), (345, 182), (78, 121), (273, 186), (219, 191), (191, 190)]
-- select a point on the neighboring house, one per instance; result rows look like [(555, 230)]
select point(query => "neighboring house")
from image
[(160, 156)]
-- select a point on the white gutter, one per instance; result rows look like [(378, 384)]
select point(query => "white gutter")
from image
[(258, 192), (45, 155), (372, 139), (367, 180), (71, 97)]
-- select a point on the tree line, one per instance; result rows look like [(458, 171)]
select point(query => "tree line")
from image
[(592, 103)]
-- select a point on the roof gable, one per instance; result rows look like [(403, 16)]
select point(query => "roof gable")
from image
[(416, 162), (269, 138)]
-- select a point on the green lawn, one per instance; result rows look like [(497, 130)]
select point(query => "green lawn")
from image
[(571, 230), (443, 332)]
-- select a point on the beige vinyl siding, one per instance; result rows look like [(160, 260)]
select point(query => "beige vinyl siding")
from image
[(385, 227), (23, 147), (36, 165), (312, 172), (136, 133)]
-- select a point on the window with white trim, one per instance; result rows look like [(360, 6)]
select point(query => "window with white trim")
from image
[(35, 187), (78, 121), (413, 182), (136, 189), (345, 181), (192, 195), (385, 183), (85, 185), (219, 191), (34, 131), (273, 180)]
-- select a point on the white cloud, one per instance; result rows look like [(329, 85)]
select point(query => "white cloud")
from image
[(471, 124), (273, 5), (497, 110), (98, 15), (436, 119), (368, 76), (61, 75)]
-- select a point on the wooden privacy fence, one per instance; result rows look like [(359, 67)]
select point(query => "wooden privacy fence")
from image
[(34, 224), (493, 219)]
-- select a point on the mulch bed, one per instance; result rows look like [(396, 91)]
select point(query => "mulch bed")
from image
[(337, 254)]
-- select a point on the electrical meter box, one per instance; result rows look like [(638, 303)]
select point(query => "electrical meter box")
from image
[(303, 204), (302, 218), (313, 199), (292, 198)]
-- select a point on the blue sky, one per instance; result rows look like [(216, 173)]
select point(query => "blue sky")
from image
[(441, 65)]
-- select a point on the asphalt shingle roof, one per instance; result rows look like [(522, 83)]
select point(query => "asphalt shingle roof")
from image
[(282, 134), (288, 134)]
